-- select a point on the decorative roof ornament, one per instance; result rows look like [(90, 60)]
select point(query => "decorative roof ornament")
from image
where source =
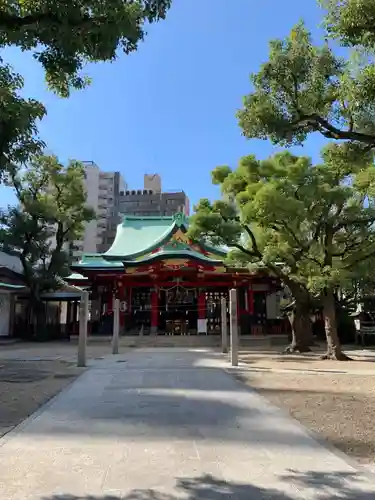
[(180, 219)]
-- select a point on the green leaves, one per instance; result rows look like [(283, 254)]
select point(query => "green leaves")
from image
[(18, 122), (66, 34), (298, 82), (50, 215), (317, 220), (351, 21), (304, 88), (63, 36)]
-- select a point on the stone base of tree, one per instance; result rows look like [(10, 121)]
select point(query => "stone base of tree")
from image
[(336, 356), (293, 348)]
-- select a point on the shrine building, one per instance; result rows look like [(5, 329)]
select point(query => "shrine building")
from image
[(168, 284)]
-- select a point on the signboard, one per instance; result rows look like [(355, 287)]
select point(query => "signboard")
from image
[(202, 326)]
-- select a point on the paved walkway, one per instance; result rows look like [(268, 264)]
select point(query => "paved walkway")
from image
[(167, 425)]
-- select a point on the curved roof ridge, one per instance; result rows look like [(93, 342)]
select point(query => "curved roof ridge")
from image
[(134, 238), (178, 254)]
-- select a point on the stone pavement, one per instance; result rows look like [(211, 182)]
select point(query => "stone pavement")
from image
[(165, 425)]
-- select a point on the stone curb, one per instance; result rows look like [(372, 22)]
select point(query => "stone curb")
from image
[(312, 371)]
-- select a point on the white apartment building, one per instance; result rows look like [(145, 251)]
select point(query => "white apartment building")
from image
[(102, 189)]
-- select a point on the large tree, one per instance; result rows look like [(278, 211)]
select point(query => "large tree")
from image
[(310, 225), (65, 34), (305, 88), (50, 215), (18, 122)]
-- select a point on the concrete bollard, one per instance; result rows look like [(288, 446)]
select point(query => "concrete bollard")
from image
[(233, 327), (116, 326), (82, 337), (224, 326)]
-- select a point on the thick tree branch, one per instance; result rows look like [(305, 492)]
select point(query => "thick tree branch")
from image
[(342, 224), (245, 250), (254, 244), (361, 258), (332, 132), (328, 245)]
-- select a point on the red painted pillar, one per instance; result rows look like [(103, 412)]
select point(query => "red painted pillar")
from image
[(154, 310), (202, 305), (109, 302)]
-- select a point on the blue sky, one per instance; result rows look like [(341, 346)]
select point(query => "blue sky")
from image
[(170, 107)]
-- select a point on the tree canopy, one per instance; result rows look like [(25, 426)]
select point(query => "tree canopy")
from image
[(305, 88), (50, 215), (351, 21), (18, 122), (65, 34), (310, 225)]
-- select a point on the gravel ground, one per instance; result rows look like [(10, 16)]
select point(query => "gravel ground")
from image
[(271, 358), (31, 374), (339, 407), (26, 385)]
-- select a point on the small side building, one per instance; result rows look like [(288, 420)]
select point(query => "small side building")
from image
[(11, 283)]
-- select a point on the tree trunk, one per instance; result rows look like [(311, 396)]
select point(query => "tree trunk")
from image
[(333, 343), (301, 328), (38, 313)]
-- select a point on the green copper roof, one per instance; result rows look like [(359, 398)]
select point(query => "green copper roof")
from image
[(173, 254), (95, 261), (137, 234), (11, 287)]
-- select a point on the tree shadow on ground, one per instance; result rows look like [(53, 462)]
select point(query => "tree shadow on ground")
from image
[(310, 486), (333, 485), (163, 415)]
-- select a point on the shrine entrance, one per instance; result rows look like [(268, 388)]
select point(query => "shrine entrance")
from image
[(178, 308)]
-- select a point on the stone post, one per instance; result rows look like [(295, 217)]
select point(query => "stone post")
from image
[(82, 338), (154, 311), (233, 327), (224, 326), (116, 326)]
